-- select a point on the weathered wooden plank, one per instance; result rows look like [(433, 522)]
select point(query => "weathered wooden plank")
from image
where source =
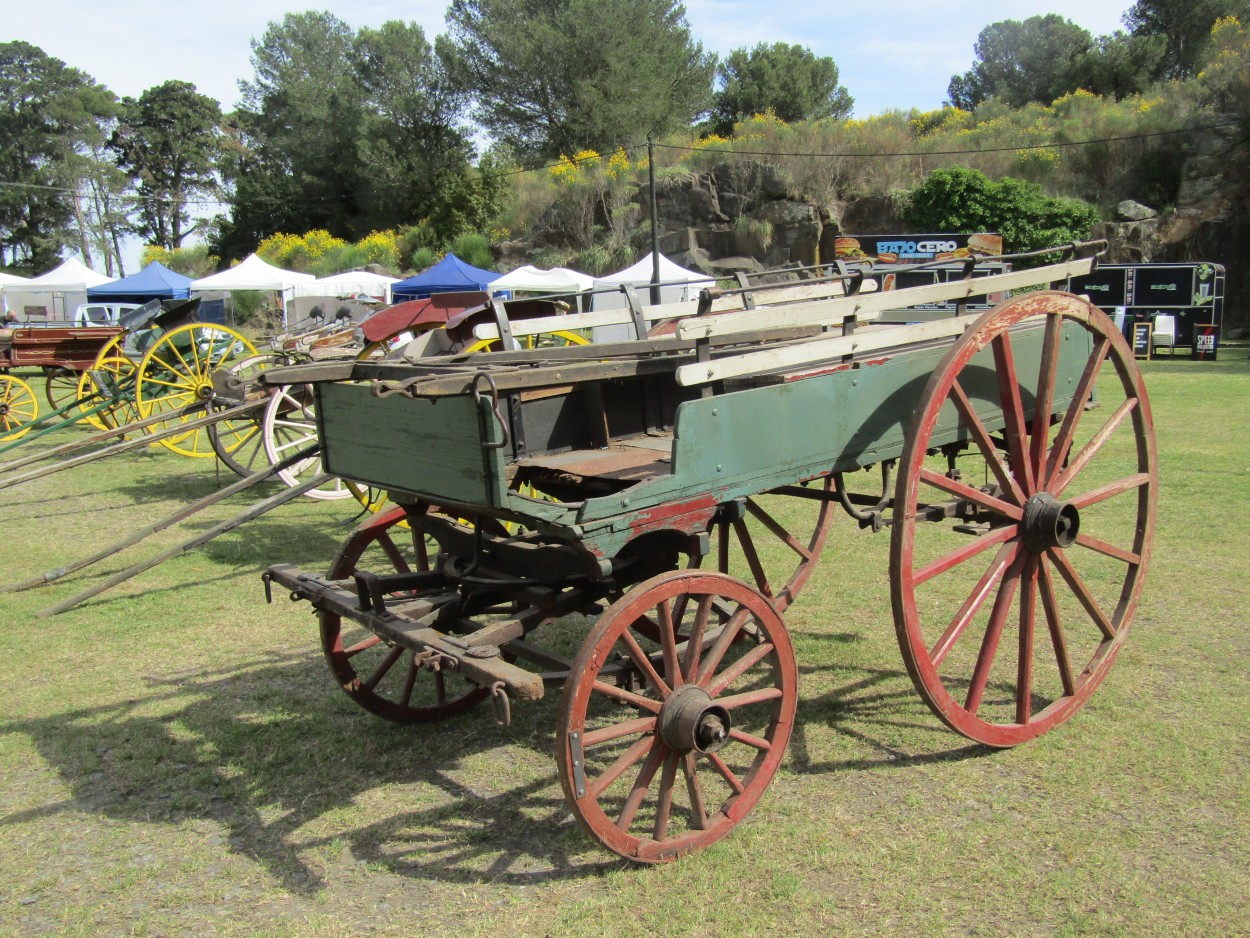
[(815, 350), (863, 307)]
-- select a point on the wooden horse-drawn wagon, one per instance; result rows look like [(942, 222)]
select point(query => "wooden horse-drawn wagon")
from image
[(630, 522)]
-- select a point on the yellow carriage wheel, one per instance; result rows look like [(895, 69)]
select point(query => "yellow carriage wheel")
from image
[(18, 407), (176, 377), (561, 338), (115, 372)]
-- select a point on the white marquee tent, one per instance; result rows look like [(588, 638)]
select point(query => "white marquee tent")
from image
[(351, 283), (252, 273), (60, 291), (557, 280), (10, 282), (678, 285)]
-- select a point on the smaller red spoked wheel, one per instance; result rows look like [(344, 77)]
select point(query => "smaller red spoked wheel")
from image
[(665, 744), (385, 679), (1010, 615)]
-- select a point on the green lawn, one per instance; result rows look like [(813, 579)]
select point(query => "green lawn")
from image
[(176, 759)]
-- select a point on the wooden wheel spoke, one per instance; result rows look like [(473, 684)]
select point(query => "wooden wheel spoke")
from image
[(747, 698), (726, 772), (620, 766), (643, 663), (994, 631), (976, 599), (1072, 417), (1110, 490), (1090, 449), (618, 730), (694, 643), (393, 553), (181, 385), (624, 696), (641, 784), (1045, 396), (985, 444), (755, 742), (967, 552), (410, 682), (976, 496), (381, 670), (737, 669), (1024, 664), (1013, 410), (697, 808), (668, 644), (729, 632), (1051, 607), (1082, 592), (778, 531), (1109, 550), (747, 543), (665, 802)]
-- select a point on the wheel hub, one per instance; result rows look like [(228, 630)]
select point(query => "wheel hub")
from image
[(204, 391), (1049, 523), (690, 720)]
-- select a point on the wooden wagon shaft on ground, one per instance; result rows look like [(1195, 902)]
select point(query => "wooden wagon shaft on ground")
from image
[(251, 513), (180, 515), (188, 426)]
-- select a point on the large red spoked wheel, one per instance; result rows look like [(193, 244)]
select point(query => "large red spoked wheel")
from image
[(665, 744), (1010, 615), (385, 679)]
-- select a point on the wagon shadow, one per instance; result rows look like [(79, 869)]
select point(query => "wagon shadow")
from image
[(871, 711), (269, 753)]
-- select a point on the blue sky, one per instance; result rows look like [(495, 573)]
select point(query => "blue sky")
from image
[(891, 54)]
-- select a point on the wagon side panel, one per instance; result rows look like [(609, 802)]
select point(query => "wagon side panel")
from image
[(433, 446)]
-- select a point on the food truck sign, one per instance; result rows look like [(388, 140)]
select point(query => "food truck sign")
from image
[(916, 248)]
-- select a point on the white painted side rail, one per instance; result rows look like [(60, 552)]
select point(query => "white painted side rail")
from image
[(817, 350), (621, 316), (866, 307)]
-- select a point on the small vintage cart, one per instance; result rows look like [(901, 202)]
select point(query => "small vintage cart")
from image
[(649, 509)]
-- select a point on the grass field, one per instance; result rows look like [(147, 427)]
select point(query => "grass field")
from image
[(176, 759)]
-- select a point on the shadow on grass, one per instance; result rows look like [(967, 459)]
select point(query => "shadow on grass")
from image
[(267, 750), (292, 772)]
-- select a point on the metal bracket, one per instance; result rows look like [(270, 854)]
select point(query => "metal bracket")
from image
[(506, 338), (494, 406), (577, 759), (502, 706), (635, 310)]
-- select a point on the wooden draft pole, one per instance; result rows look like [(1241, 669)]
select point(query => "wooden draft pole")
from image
[(181, 514), (255, 511)]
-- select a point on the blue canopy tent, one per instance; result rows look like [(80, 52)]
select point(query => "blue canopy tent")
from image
[(450, 275), (154, 282)]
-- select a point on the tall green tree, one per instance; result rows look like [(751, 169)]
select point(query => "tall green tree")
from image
[(1019, 62), (1120, 64), (788, 80), (552, 77), (1185, 25), (412, 151), (292, 161), (52, 119), (168, 142)]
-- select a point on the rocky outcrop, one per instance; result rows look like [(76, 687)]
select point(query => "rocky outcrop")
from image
[(741, 216)]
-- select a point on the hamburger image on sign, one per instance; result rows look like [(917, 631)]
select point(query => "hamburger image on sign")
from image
[(848, 249)]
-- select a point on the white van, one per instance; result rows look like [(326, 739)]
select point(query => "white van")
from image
[(101, 314)]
